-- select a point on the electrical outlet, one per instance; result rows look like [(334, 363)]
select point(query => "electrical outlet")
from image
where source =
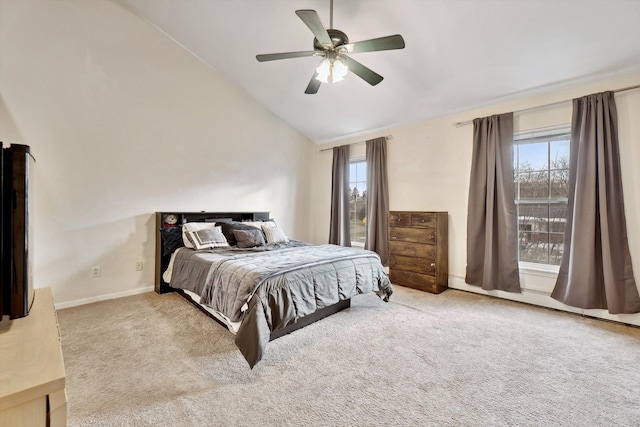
[(139, 266), (95, 271)]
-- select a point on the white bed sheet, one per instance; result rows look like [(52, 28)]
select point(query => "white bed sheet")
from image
[(166, 276), (232, 326)]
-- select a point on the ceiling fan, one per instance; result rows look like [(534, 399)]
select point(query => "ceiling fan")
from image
[(333, 46)]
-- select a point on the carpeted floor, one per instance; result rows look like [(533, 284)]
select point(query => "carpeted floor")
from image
[(454, 359)]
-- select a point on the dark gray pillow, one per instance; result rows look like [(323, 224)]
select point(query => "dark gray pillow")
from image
[(249, 238), (229, 227)]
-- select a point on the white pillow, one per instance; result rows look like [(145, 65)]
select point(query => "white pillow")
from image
[(208, 238), (190, 227), (274, 233)]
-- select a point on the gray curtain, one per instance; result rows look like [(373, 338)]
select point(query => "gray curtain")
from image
[(339, 228), (377, 234), (492, 253), (595, 270)]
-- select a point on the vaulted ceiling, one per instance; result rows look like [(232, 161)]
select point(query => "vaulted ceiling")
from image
[(459, 55)]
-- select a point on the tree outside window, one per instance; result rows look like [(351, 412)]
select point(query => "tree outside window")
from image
[(541, 178)]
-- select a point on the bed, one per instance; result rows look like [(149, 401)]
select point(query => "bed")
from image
[(243, 271)]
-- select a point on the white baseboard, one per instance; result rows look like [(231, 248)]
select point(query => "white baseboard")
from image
[(543, 299), (83, 301)]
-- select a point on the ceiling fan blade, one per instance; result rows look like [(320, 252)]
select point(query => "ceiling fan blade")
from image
[(286, 55), (361, 71), (313, 85), (312, 20), (382, 43)]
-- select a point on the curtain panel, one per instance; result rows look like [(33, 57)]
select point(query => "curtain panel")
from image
[(339, 227), (596, 270), (492, 253), (377, 231)]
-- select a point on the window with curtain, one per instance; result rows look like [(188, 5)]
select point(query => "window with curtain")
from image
[(358, 200), (541, 182)]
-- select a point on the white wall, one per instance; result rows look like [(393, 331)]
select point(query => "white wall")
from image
[(123, 122), (429, 166)]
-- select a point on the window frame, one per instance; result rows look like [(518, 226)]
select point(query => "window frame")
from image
[(548, 135), (352, 161)]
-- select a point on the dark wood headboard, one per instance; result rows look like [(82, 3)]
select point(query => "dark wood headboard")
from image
[(184, 217)]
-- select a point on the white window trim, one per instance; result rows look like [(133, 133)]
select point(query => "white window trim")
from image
[(356, 160), (542, 133), (558, 131), (547, 270)]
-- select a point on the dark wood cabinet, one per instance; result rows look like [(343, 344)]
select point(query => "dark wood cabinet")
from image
[(419, 250)]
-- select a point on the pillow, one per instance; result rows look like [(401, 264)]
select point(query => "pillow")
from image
[(207, 238), (269, 223), (171, 239), (229, 227), (256, 224), (249, 238), (274, 233), (188, 227)]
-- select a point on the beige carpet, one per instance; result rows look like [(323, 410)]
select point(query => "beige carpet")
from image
[(455, 359)]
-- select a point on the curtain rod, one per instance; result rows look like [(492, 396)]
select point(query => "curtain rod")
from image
[(388, 137), (528, 110)]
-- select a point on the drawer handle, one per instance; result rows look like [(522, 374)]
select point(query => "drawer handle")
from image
[(433, 264), (423, 220), (393, 237)]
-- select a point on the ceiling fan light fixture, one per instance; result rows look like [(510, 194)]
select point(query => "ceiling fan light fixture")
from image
[(324, 71), (339, 70), (331, 70), (334, 47)]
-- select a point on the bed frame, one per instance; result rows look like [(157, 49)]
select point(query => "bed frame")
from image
[(162, 263)]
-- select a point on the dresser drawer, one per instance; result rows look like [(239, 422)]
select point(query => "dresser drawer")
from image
[(415, 265), (415, 235), (422, 282), (423, 219), (414, 250), (399, 219), (418, 250)]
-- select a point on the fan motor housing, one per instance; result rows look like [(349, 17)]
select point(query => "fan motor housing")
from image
[(337, 37)]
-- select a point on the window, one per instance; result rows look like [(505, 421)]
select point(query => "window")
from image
[(541, 177), (358, 201)]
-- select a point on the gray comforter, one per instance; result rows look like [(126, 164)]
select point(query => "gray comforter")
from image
[(269, 290)]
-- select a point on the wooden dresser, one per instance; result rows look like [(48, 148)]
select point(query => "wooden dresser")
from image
[(32, 376), (419, 250)]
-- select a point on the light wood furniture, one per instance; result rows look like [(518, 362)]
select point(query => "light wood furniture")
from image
[(32, 376), (419, 250)]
